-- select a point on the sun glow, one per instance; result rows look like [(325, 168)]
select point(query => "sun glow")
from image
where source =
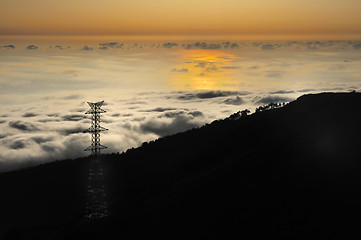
[(205, 70)]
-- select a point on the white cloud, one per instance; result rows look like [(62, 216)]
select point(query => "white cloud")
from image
[(357, 46), (268, 47), (86, 48), (171, 123), (272, 99), (234, 101), (10, 46), (32, 47)]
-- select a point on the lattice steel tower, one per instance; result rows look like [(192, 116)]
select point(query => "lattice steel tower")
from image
[(96, 206)]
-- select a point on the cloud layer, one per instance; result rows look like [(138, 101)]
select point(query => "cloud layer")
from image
[(40, 135), (151, 89), (261, 45)]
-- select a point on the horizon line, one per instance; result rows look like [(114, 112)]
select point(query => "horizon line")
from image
[(254, 36)]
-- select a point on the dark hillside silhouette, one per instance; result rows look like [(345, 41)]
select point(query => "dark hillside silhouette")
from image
[(291, 172)]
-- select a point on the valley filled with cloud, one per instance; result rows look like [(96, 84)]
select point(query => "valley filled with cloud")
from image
[(150, 89)]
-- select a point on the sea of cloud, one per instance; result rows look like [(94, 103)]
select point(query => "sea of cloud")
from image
[(45, 89)]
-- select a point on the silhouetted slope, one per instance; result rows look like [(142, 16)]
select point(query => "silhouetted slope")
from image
[(292, 172), (49, 194)]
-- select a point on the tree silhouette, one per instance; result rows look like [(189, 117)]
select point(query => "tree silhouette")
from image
[(245, 112)]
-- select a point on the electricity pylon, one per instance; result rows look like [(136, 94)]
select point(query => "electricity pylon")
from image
[(96, 206)]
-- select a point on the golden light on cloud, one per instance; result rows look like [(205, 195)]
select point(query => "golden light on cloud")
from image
[(204, 70)]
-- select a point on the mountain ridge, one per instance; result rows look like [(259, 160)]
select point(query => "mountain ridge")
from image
[(228, 177)]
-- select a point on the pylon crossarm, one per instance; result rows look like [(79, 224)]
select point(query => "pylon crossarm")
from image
[(93, 129), (92, 111), (92, 148), (96, 104)]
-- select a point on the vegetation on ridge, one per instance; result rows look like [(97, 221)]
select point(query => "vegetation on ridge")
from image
[(291, 172)]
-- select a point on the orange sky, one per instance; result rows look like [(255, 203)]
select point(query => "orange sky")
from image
[(180, 17)]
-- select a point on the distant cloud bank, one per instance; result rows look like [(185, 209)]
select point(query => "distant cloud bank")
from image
[(32, 47), (272, 45)]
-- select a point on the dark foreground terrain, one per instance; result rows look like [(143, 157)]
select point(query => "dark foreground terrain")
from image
[(290, 173)]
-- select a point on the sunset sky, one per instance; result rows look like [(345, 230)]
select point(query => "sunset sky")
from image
[(334, 18)]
